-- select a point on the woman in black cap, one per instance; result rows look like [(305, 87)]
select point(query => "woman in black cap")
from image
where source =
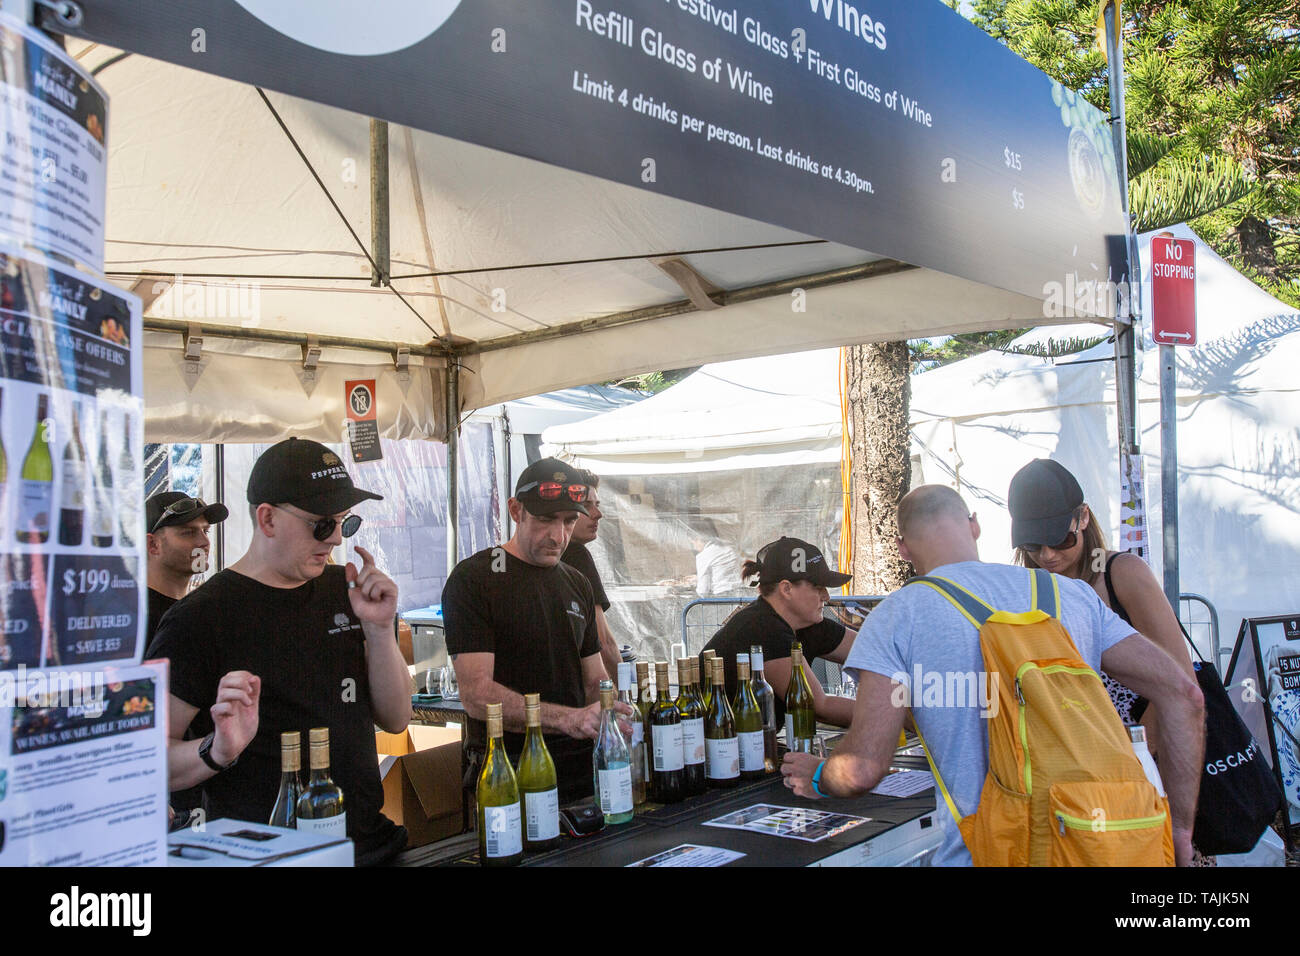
[(1053, 528)]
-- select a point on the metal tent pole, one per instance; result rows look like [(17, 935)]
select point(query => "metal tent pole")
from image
[(1169, 469), (453, 456)]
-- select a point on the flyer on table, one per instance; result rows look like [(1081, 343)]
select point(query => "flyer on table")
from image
[(83, 781), (53, 170), (72, 581)]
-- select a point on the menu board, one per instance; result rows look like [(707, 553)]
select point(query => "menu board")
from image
[(53, 162)]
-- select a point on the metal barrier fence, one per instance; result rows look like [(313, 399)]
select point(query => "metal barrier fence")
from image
[(1201, 626), (703, 616)]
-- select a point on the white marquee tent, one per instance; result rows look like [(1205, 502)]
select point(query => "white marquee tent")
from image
[(975, 422)]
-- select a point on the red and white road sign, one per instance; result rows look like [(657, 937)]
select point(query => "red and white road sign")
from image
[(1173, 291)]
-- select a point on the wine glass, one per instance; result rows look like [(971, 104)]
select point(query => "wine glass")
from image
[(450, 689), (432, 680)]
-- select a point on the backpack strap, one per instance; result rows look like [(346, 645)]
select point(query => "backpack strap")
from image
[(1044, 593), (971, 607), (934, 769)]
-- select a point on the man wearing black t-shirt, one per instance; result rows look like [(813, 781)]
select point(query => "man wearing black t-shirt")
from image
[(793, 578), (284, 641), (518, 621), (177, 550), (577, 556)]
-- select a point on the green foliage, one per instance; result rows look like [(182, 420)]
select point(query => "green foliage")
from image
[(1212, 101), (927, 354)]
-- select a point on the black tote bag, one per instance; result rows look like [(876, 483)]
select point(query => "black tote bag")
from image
[(1239, 793)]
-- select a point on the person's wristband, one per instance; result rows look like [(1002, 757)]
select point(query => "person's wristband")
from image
[(816, 779), (205, 754)]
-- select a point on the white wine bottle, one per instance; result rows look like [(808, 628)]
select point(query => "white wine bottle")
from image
[(800, 712), (748, 722), (644, 703), (36, 491), (320, 808), (692, 716), (666, 783), (75, 475), (537, 783), (722, 749), (706, 672), (500, 827), (102, 500), (611, 763), (766, 698), (635, 744), (285, 811)]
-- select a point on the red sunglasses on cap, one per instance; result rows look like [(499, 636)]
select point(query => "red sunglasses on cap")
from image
[(552, 490)]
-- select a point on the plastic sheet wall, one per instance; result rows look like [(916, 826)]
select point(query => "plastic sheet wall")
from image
[(655, 526)]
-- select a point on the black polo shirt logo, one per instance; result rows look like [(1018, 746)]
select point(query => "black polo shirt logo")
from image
[(343, 623)]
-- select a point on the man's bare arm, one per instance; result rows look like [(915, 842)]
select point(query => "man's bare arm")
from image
[(474, 674), (862, 758)]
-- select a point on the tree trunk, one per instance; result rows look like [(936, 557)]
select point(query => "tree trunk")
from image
[(879, 395), (1256, 245)]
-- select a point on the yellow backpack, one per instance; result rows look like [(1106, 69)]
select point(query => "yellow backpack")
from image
[(1064, 787)]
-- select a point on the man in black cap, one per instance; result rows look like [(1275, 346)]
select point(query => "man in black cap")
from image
[(177, 547), (283, 640), (577, 556), (519, 621), (793, 583)]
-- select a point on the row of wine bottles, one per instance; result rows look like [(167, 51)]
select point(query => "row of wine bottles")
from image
[(83, 488), (318, 807), (519, 808), (697, 740)]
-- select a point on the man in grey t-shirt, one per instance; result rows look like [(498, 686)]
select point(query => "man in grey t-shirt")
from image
[(917, 647)]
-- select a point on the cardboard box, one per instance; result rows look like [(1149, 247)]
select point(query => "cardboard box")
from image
[(420, 768)]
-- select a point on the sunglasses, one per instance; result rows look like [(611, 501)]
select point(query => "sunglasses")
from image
[(322, 528), (1065, 545), (179, 509), (552, 490)]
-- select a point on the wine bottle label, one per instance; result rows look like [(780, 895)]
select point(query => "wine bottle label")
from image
[(667, 739), (101, 523), (326, 826), (724, 758), (542, 815), (34, 505), (615, 789), (74, 484), (693, 741), (751, 750), (503, 831), (797, 744)]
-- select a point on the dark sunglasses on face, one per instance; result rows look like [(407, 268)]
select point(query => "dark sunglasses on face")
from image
[(322, 528), (1065, 545), (552, 490), (179, 509)]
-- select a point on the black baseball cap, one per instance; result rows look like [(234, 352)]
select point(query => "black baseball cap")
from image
[(307, 475), (541, 477), (1042, 500), (156, 506), (790, 559)]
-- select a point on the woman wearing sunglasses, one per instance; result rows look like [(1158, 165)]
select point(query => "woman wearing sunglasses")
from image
[(1052, 527)]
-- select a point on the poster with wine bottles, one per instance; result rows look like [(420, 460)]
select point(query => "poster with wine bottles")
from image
[(71, 501)]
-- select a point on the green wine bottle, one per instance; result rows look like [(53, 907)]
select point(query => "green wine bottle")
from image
[(666, 783), (722, 748), (320, 808), (800, 712), (500, 827), (692, 715), (748, 723), (36, 490), (284, 813), (536, 778), (611, 763), (766, 698)]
